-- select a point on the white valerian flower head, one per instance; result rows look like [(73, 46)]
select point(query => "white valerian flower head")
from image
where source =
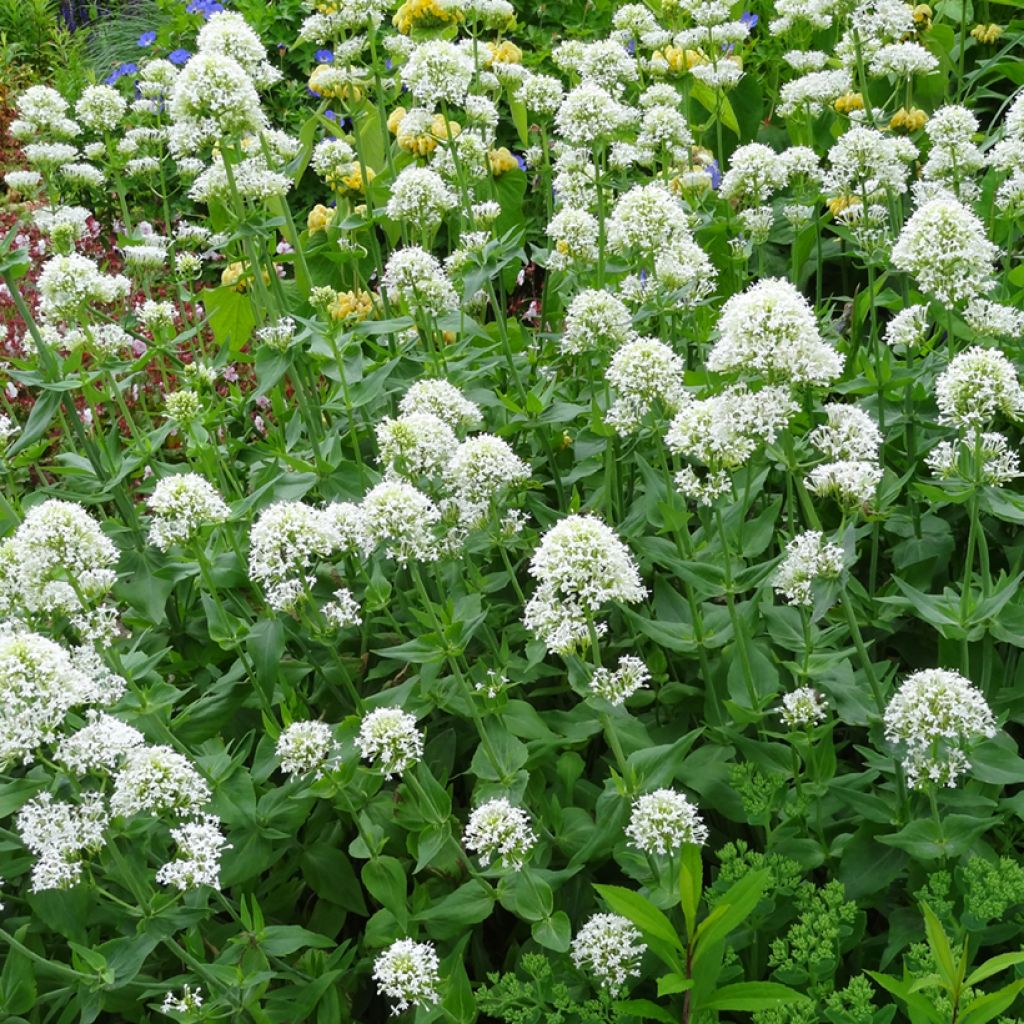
[(644, 372), (803, 708), (278, 335), (755, 173), (850, 433), (610, 948), (61, 834), (590, 114), (596, 319), (190, 1000), (182, 505), (574, 234), (39, 684), (158, 780), (69, 283), (286, 541), (230, 35), (101, 108), (809, 557), (903, 60), (415, 444), (499, 831), (481, 469), (770, 329), (936, 716), (542, 94), (401, 518), (200, 847), (438, 71), (43, 111), (420, 197), (618, 686), (994, 319), (307, 748), (409, 974), (987, 457), (412, 276), (645, 219), (443, 400), (663, 821), (100, 745), (389, 739), (213, 100), (867, 165), (812, 93), (909, 327), (789, 13), (343, 610), (851, 482), (944, 247), (977, 386)]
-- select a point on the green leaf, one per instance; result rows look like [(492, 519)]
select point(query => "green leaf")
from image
[(41, 416), (751, 995), (661, 934), (939, 945), (994, 965), (554, 932), (732, 910), (645, 1010), (713, 102), (921, 1009), (691, 884), (989, 1006), (672, 984)]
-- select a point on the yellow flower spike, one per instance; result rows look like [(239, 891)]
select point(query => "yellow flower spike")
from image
[(319, 219), (923, 17), (352, 305), (395, 118), (987, 34), (505, 53), (423, 14), (501, 160), (908, 120), (233, 276), (848, 102)]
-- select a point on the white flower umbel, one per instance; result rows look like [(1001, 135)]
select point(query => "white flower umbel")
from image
[(182, 505), (101, 744), (157, 780), (851, 482), (401, 518), (343, 610), (408, 973), (944, 248), (610, 948), (438, 71), (998, 465), (909, 327), (480, 471), (501, 832), (850, 433), (596, 319), (101, 108), (977, 386), (420, 197), (69, 284), (618, 686), (389, 739), (60, 834), (663, 821), (413, 277), (232, 36), (643, 372), (937, 715), (443, 400), (809, 557), (190, 1000), (415, 444), (307, 748), (803, 708), (770, 330), (200, 846)]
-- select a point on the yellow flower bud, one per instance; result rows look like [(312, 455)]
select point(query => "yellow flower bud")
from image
[(319, 218)]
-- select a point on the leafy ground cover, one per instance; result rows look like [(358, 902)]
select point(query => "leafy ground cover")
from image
[(512, 514)]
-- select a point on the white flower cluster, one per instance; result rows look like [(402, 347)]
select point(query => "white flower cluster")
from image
[(388, 738), (307, 748), (200, 846), (809, 557), (618, 686), (409, 974), (499, 831), (610, 948), (803, 708), (182, 505), (936, 715), (663, 821), (644, 372), (977, 386)]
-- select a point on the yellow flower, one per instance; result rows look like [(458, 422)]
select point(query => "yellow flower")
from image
[(923, 17), (987, 34), (395, 118), (847, 102), (677, 59), (319, 218), (353, 181), (236, 275), (908, 120), (840, 203), (352, 305), (332, 83), (501, 160), (424, 14), (504, 53)]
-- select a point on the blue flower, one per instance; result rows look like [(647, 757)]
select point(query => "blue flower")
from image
[(750, 20), (520, 161), (204, 7), (179, 56), (714, 173), (146, 39), (324, 56), (121, 72)]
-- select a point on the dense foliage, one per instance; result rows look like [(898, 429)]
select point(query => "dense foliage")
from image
[(512, 516)]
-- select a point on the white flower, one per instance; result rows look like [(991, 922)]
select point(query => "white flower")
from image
[(480, 470), (575, 236), (908, 327), (867, 165), (542, 94), (850, 433), (499, 831), (230, 35), (442, 399), (415, 444), (596, 319), (851, 482), (977, 386), (755, 173), (645, 219), (663, 821), (611, 948), (409, 974), (101, 108), (414, 277), (803, 708), (200, 845), (770, 330), (100, 744), (999, 464), (60, 833), (589, 114), (944, 247), (388, 738), (420, 197), (69, 283), (809, 557), (190, 1000), (993, 319), (643, 372), (618, 686), (438, 72), (182, 505), (401, 518), (307, 748), (936, 715), (343, 610), (903, 60), (157, 780)]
